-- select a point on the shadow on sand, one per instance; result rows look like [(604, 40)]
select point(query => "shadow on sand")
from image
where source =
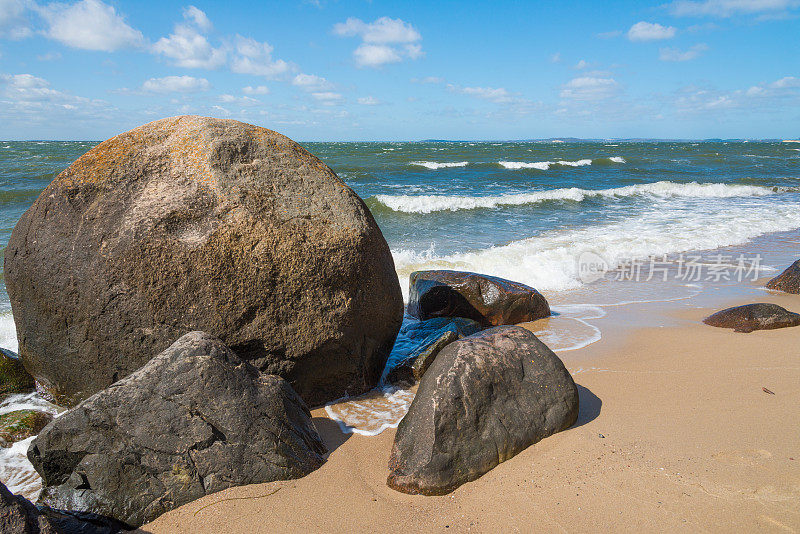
[(332, 436), (589, 406)]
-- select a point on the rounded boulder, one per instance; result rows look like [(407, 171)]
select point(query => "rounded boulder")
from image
[(193, 223)]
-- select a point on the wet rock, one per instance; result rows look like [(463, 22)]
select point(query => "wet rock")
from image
[(19, 516), (753, 317), (484, 399), (788, 281), (21, 424), (420, 341), (13, 376), (194, 420), (488, 300), (192, 223)]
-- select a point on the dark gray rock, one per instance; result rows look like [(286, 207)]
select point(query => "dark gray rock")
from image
[(427, 356), (488, 300), (19, 516), (422, 339), (195, 420), (13, 376), (192, 223), (484, 399), (788, 281), (751, 317)]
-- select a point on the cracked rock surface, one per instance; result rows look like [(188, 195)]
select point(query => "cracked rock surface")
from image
[(194, 420), (484, 399)]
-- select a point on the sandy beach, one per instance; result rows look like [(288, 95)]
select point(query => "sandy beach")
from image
[(675, 433)]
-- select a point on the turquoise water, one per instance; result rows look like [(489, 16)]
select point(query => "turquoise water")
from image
[(527, 211)]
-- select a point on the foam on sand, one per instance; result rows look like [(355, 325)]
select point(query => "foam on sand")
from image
[(372, 413), (432, 203)]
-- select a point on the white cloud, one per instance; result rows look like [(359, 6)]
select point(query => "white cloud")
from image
[(89, 25), (650, 31), (674, 54), (50, 56), (198, 17), (255, 58), (582, 64), (327, 97), (187, 46), (728, 8), (258, 90), (32, 99), (766, 97), (428, 79), (383, 41), (311, 82), (240, 100), (13, 24), (176, 84), (788, 82), (590, 88), (368, 101)]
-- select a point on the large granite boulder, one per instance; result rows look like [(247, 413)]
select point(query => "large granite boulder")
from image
[(21, 424), (192, 223), (13, 376), (489, 300), (194, 420), (484, 399), (19, 516), (751, 317), (418, 343), (788, 281)]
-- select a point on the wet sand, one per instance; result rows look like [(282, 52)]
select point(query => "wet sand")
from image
[(675, 433)]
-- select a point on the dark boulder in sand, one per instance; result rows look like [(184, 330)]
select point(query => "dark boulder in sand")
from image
[(19, 516), (788, 281), (753, 317), (13, 376), (195, 420), (192, 223), (418, 342), (489, 300), (484, 399)]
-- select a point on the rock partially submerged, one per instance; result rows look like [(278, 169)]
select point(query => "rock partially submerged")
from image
[(19, 516), (788, 281), (752, 317), (13, 376), (21, 424), (484, 399), (192, 223), (418, 342), (488, 300), (195, 420)]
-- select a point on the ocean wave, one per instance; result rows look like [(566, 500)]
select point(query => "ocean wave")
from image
[(549, 261), (433, 203), (433, 165), (542, 165), (617, 159)]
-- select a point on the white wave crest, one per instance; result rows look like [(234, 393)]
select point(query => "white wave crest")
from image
[(549, 261), (433, 203), (617, 159), (433, 165), (542, 165)]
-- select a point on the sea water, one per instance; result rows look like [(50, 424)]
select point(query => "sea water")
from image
[(534, 212)]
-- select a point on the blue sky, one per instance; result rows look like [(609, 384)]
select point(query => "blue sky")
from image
[(358, 70)]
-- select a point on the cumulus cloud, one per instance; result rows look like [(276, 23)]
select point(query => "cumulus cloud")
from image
[(258, 90), (368, 101), (176, 84), (383, 41), (327, 97), (239, 100), (311, 82), (13, 24), (255, 58), (26, 95), (89, 25), (766, 97), (188, 47), (728, 8), (650, 31), (586, 88), (674, 54)]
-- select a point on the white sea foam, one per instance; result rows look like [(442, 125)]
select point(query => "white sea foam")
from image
[(549, 261), (8, 332), (432, 203), (617, 159), (371, 414), (433, 165), (542, 165)]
